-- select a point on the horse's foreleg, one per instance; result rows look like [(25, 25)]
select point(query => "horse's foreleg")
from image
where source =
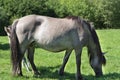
[(78, 52), (66, 57), (31, 59)]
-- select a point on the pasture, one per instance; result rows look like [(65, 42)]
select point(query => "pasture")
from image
[(48, 63)]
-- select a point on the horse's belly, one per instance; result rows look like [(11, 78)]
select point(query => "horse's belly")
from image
[(56, 45), (55, 49), (54, 41)]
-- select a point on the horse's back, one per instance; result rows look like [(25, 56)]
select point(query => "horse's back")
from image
[(54, 34)]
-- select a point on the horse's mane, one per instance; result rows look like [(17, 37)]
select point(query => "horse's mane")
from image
[(72, 17), (96, 41), (76, 18), (93, 32), (91, 29)]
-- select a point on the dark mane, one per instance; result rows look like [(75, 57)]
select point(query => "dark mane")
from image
[(76, 18), (96, 41), (93, 32)]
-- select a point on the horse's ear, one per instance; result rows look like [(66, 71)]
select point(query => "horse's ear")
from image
[(7, 30), (104, 53)]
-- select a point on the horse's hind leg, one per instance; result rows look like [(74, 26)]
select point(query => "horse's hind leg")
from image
[(66, 57), (19, 66), (26, 64), (31, 59)]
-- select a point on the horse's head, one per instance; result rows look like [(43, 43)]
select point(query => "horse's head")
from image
[(96, 56)]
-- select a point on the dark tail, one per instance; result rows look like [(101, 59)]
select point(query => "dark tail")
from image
[(15, 49)]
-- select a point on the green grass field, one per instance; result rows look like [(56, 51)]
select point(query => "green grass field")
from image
[(48, 63)]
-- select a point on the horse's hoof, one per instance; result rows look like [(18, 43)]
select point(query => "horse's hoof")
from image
[(79, 78), (20, 74), (17, 74), (37, 75), (99, 74), (60, 72)]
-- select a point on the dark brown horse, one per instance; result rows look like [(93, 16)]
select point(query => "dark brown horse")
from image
[(54, 34)]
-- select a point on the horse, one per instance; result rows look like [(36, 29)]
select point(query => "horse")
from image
[(54, 34)]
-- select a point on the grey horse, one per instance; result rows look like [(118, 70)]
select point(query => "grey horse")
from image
[(54, 34)]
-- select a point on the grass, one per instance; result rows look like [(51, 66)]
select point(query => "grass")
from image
[(48, 63)]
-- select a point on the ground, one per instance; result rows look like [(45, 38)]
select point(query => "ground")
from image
[(48, 63)]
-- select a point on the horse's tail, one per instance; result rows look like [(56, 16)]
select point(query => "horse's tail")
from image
[(15, 48)]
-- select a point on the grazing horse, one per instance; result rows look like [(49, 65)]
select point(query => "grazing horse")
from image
[(54, 34)]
